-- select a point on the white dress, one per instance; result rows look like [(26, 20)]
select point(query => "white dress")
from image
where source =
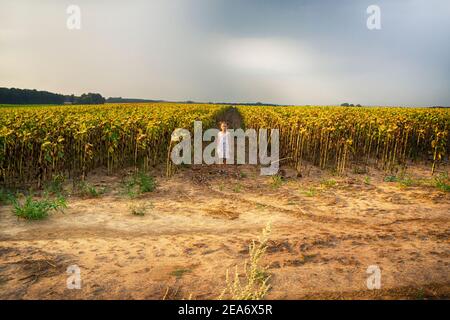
[(223, 145)]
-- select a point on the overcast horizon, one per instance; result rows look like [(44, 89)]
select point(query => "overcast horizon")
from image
[(290, 52)]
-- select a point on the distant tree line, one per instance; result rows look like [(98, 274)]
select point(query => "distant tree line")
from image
[(346, 104), (129, 100), (26, 96), (90, 98)]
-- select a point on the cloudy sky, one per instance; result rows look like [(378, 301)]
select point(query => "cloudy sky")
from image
[(286, 52)]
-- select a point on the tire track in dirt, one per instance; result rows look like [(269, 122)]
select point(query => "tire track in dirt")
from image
[(196, 232), (326, 219)]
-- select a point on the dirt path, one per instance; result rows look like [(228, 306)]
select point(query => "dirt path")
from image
[(201, 222)]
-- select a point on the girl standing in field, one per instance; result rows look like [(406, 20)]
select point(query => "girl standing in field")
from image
[(223, 141)]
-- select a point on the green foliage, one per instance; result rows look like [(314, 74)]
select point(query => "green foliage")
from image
[(90, 98), (146, 183), (39, 142), (442, 182), (55, 186), (180, 272), (237, 188), (140, 209), (253, 284), (242, 175), (37, 209), (139, 183), (6, 196), (390, 179), (311, 192), (343, 138), (276, 181), (406, 181), (328, 183), (85, 189), (360, 169), (403, 180), (23, 96), (420, 295)]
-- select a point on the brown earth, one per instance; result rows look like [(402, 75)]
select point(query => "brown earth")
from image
[(201, 221)]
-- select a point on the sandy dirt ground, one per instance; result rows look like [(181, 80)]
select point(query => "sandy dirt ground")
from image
[(201, 221)]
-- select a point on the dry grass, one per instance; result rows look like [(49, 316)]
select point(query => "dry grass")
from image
[(253, 283)]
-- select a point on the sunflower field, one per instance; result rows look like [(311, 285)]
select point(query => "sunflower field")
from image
[(39, 142), (340, 137)]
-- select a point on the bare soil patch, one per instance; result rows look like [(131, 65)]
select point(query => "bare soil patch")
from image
[(201, 221)]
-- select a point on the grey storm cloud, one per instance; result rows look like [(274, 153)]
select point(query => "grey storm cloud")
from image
[(293, 52)]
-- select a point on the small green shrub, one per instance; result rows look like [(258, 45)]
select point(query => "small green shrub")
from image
[(276, 181), (37, 209), (360, 170), (146, 183), (407, 181), (253, 283), (140, 209), (311, 192), (86, 189), (242, 175), (403, 180), (55, 186), (6, 196), (330, 183), (178, 273), (139, 183), (129, 188), (237, 188), (390, 179), (442, 182)]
